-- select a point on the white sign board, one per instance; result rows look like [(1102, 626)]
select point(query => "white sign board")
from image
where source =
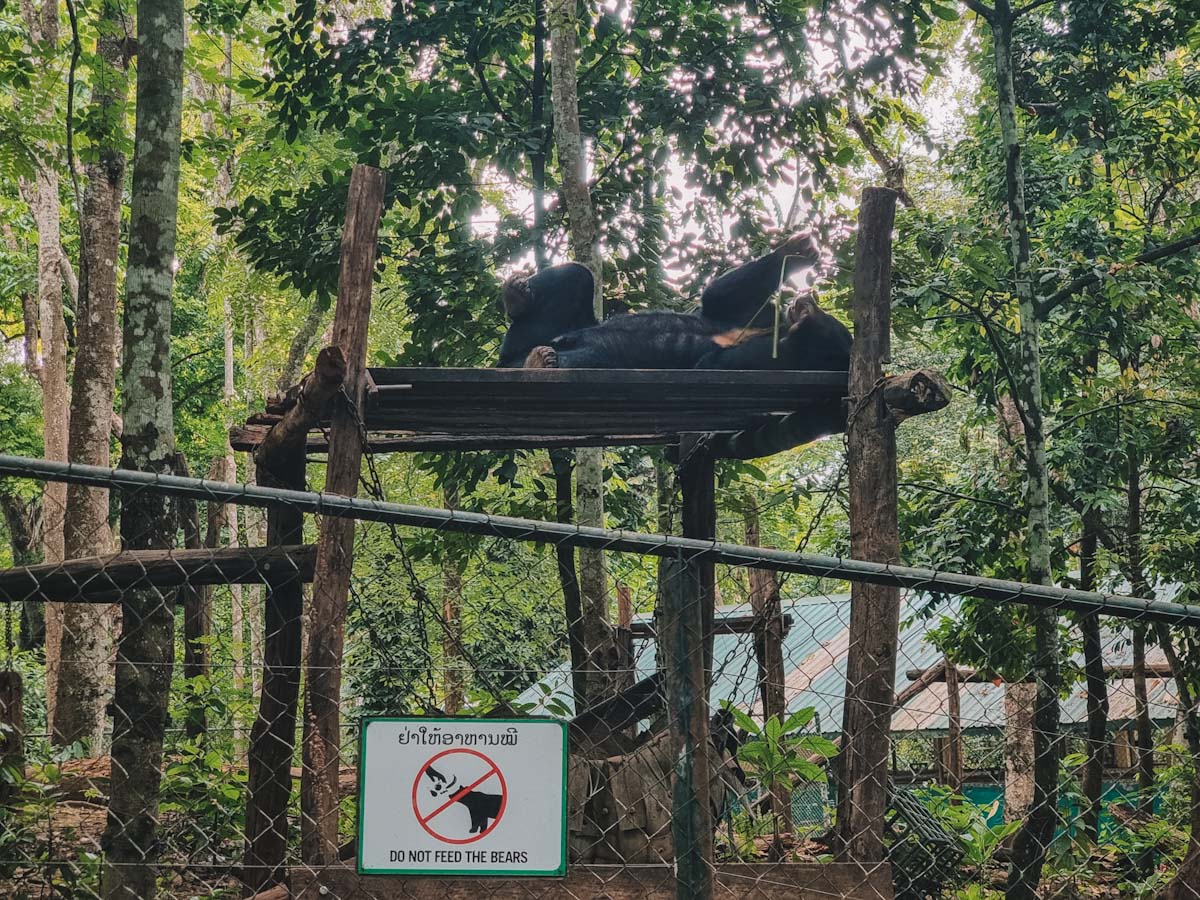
[(462, 797)]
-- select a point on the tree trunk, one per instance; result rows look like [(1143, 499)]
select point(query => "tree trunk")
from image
[(1097, 684), (1033, 840), (146, 648), (537, 159), (196, 601), (589, 467), (1020, 701), (31, 338), (1184, 885), (24, 521), (453, 665), (293, 366), (86, 643), (43, 24)]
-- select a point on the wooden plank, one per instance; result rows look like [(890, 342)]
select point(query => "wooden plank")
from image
[(453, 417), (101, 579), (249, 437), (686, 378), (784, 881), (874, 535), (319, 796)]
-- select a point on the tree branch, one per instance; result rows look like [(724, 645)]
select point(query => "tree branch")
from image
[(1029, 7), (984, 12), (492, 99), (1014, 386), (1049, 304)]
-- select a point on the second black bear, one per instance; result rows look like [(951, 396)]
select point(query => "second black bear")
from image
[(543, 306)]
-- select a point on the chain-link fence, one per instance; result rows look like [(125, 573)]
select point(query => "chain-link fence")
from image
[(728, 735)]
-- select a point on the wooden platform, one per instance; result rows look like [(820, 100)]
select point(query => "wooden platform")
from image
[(463, 409), (768, 881)]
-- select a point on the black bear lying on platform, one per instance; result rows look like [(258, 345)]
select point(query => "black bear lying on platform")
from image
[(553, 325)]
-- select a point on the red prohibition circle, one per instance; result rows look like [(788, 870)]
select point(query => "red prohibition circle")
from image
[(493, 770)]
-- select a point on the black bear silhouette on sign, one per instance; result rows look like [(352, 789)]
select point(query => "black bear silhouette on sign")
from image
[(482, 807)]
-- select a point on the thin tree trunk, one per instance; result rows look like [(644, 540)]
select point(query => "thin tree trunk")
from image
[(23, 519), (537, 159), (86, 644), (564, 511), (229, 516), (589, 466), (146, 649), (452, 597), (1137, 579), (43, 24), (293, 366), (1033, 840), (30, 336), (768, 650), (196, 601), (1097, 685)]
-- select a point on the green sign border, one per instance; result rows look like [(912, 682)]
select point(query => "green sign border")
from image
[(364, 723)]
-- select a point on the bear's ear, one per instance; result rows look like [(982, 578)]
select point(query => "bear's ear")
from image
[(517, 297)]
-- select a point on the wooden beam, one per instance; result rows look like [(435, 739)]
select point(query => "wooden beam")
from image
[(874, 535), (102, 579), (290, 432), (745, 624), (778, 881), (319, 798), (907, 394)]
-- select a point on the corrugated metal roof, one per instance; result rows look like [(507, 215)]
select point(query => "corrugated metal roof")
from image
[(814, 653)]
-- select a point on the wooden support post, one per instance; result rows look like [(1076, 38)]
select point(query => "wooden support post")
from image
[(681, 646), (281, 463), (335, 542), (273, 736), (954, 735), (685, 640), (697, 484), (874, 535)]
